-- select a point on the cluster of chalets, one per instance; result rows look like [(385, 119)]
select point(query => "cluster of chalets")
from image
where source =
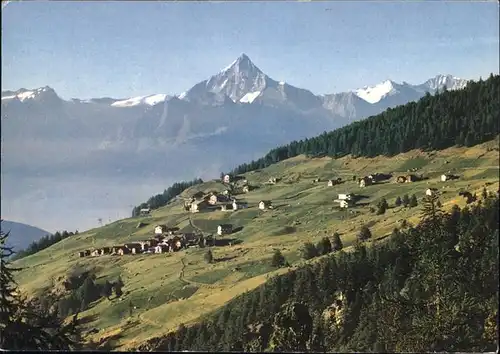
[(165, 240)]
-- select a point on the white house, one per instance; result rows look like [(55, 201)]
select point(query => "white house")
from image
[(161, 248), (264, 204), (344, 204), (365, 181), (235, 205), (213, 199), (159, 229), (224, 229), (346, 196), (145, 211), (245, 189), (330, 183), (194, 207), (430, 191), (444, 178), (226, 179)]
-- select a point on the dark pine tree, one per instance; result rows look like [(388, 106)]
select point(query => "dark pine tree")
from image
[(336, 242), (413, 201), (406, 200), (364, 233), (324, 246), (24, 325), (278, 259), (308, 251)]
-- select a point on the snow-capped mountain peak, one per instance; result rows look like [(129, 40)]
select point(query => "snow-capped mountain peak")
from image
[(150, 100), (240, 78), (440, 81), (374, 94), (242, 63), (24, 94)]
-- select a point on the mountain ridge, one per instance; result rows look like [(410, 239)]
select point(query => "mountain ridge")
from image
[(248, 73), (21, 235)]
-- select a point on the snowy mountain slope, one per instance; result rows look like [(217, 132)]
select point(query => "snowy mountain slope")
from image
[(375, 93), (440, 81), (23, 95), (144, 100), (348, 105)]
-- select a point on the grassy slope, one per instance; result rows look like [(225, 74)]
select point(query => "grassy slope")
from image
[(180, 287)]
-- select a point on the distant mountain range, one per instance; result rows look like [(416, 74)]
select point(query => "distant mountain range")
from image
[(21, 235), (231, 117)]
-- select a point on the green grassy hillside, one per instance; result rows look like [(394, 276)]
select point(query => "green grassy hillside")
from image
[(175, 288)]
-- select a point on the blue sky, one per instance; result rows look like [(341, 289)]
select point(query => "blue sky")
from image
[(122, 49)]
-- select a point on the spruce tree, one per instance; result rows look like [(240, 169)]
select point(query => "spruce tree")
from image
[(118, 286), (364, 233), (336, 242), (382, 206), (484, 193), (107, 289), (324, 246), (308, 251), (316, 342), (406, 200), (278, 259), (398, 201), (23, 325), (413, 201)]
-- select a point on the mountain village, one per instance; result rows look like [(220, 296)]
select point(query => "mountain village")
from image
[(170, 239)]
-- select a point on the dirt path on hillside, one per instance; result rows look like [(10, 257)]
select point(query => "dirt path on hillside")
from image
[(195, 283), (194, 226), (147, 321)]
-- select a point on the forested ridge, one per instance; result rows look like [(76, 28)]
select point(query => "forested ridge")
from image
[(461, 117), (432, 287), (162, 199), (43, 243)]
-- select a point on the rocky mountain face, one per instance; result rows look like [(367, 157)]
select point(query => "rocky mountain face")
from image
[(234, 115)]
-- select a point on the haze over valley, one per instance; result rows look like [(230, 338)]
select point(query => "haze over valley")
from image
[(84, 160)]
